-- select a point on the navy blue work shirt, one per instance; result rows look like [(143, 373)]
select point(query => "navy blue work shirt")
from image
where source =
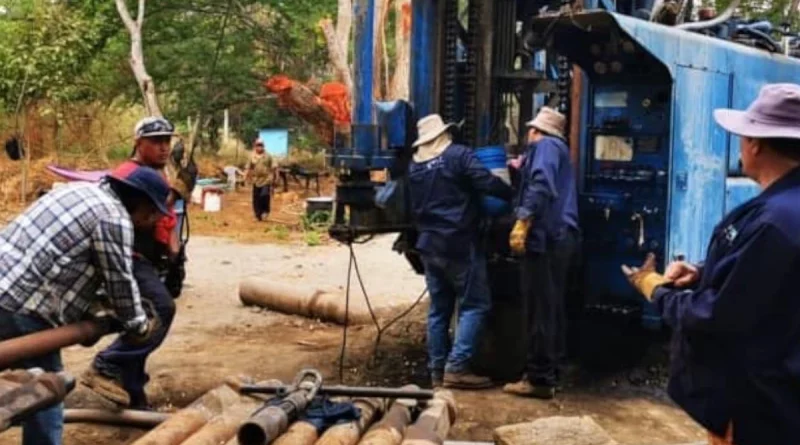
[(736, 336), (445, 199), (547, 193)]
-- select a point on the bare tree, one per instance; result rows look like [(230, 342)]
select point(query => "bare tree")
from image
[(402, 36), (144, 80), (337, 53)]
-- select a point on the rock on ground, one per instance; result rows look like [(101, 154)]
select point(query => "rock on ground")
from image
[(554, 430)]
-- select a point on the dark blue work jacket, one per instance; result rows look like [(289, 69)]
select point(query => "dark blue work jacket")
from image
[(547, 193), (736, 336), (445, 199)]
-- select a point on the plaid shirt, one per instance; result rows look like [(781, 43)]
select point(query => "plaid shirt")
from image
[(55, 256)]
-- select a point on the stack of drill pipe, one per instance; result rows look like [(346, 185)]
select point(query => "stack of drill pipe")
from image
[(434, 423), (299, 300), (211, 419), (392, 427), (299, 433), (348, 433), (26, 394)]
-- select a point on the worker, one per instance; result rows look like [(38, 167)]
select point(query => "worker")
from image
[(118, 372), (55, 256), (546, 236), (735, 317), (259, 171), (445, 182)]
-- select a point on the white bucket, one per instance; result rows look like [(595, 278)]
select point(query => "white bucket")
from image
[(212, 201), (197, 195)]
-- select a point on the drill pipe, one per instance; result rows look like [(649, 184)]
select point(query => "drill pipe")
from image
[(42, 391), (270, 422), (126, 417), (434, 423), (300, 433), (392, 427), (223, 427), (43, 342), (347, 391), (349, 433), (187, 421)]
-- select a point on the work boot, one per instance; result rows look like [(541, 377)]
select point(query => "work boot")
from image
[(466, 380), (106, 386), (437, 381), (527, 389)]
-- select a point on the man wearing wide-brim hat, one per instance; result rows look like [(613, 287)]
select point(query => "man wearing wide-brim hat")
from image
[(546, 236), (446, 182), (736, 317)]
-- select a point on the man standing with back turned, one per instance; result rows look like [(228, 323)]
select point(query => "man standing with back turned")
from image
[(546, 234), (446, 181), (736, 317)]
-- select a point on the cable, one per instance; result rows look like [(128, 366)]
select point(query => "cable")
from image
[(353, 264)]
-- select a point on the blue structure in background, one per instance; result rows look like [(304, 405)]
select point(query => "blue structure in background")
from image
[(276, 141)]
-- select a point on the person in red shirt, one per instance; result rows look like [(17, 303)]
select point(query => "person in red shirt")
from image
[(118, 372)]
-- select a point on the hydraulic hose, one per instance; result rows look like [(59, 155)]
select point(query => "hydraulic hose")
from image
[(720, 19)]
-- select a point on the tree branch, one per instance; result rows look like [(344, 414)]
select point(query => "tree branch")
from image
[(122, 8)]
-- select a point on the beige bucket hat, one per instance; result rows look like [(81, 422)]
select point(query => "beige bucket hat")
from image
[(549, 121), (429, 128)]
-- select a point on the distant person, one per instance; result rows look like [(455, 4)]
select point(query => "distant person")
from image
[(546, 235), (118, 372), (446, 182), (59, 252), (260, 172), (735, 317)]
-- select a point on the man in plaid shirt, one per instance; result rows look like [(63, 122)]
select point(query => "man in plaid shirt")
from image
[(55, 256)]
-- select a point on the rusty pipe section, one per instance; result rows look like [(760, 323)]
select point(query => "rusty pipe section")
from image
[(26, 394), (300, 433), (271, 421), (407, 392), (433, 425), (50, 340), (125, 417), (392, 427), (350, 432)]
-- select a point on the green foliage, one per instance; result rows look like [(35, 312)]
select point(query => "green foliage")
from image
[(774, 11)]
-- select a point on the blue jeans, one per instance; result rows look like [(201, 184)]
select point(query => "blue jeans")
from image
[(46, 426), (126, 362), (450, 280)]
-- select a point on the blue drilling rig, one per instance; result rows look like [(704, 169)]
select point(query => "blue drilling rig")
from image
[(655, 172)]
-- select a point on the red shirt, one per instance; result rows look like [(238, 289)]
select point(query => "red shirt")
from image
[(165, 224)]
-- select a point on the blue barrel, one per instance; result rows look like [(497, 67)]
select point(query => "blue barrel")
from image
[(180, 214), (494, 158)]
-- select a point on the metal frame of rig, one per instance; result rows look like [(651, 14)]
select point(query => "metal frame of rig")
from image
[(655, 172)]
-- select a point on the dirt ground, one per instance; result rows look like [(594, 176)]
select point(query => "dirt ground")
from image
[(215, 336)]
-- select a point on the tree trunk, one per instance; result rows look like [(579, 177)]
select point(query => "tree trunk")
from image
[(337, 54), (402, 65), (344, 24), (146, 85), (379, 49)]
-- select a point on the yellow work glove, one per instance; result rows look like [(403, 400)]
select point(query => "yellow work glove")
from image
[(518, 235), (645, 278)]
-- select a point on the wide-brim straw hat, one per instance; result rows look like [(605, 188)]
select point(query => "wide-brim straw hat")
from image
[(774, 114), (429, 128), (549, 121)]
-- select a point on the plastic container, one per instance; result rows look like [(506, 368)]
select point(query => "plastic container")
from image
[(212, 200), (494, 158)]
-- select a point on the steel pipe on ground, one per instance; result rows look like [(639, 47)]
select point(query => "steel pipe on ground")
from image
[(300, 433), (127, 417), (224, 426), (298, 300), (392, 427), (349, 433), (433, 425), (189, 420)]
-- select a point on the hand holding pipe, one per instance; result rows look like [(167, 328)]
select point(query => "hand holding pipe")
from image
[(43, 342)]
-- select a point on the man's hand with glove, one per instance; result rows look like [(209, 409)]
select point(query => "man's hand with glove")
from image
[(518, 236), (142, 333), (645, 278)]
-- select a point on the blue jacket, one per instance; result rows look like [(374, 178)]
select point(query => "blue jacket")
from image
[(547, 193), (445, 199), (736, 336)]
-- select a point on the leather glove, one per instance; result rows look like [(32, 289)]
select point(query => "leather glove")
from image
[(518, 236), (146, 331), (645, 278)]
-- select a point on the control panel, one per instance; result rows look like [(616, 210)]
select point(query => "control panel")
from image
[(624, 184)]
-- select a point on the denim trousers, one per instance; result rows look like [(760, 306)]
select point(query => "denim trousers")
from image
[(125, 361), (450, 282), (46, 426)]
